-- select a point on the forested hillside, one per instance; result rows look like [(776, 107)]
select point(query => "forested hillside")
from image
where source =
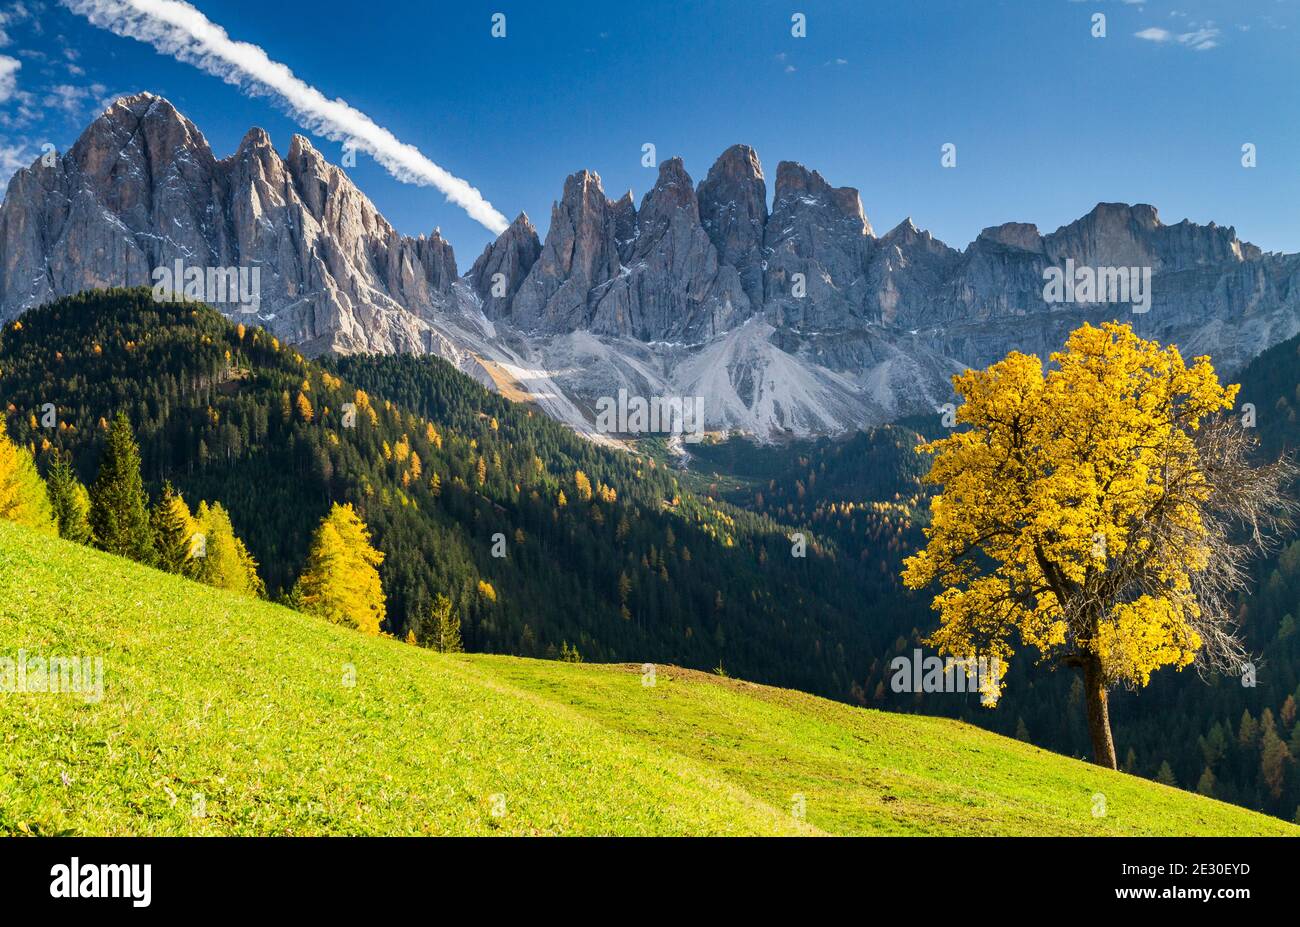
[(545, 543)]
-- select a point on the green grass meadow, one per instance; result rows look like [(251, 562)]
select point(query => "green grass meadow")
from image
[(226, 715)]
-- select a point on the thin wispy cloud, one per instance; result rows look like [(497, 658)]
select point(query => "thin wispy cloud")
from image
[(181, 31), (71, 99), (1201, 38), (7, 20)]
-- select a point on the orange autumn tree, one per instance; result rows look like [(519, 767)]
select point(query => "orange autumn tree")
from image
[(1101, 512)]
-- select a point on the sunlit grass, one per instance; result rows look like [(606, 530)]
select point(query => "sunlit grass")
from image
[(225, 715)]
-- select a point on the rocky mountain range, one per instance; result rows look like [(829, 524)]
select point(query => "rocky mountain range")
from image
[(791, 320)]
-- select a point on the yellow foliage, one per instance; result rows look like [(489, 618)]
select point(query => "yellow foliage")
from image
[(1054, 480), (23, 497), (341, 579)]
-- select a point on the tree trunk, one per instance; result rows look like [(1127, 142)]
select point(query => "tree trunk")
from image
[(1094, 687)]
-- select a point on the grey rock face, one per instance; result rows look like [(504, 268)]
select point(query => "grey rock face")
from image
[(503, 266), (580, 253), (908, 268), (141, 189), (625, 226), (133, 191), (821, 233), (1210, 292), (672, 288), (733, 211)]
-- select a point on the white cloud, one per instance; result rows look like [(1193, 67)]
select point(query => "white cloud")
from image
[(1155, 35), (1200, 38), (70, 98), (8, 76), (179, 30)]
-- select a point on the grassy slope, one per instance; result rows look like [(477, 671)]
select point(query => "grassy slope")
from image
[(244, 702)]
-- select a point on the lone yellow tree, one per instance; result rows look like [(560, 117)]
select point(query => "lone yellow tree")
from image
[(1101, 512), (341, 579)]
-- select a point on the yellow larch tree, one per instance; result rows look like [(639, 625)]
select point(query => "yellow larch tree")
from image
[(23, 496), (341, 579)]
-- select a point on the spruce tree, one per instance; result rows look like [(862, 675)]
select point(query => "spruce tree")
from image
[(70, 501), (119, 510), (173, 532)]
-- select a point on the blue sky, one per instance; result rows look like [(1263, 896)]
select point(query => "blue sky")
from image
[(1047, 119)]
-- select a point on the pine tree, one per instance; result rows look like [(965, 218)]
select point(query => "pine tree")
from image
[(1166, 774), (173, 532), (70, 501), (341, 579), (119, 510), (23, 495), (221, 558)]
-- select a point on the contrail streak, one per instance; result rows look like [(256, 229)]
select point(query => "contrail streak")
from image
[(178, 29)]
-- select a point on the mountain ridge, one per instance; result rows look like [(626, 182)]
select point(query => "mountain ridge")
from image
[(794, 320)]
